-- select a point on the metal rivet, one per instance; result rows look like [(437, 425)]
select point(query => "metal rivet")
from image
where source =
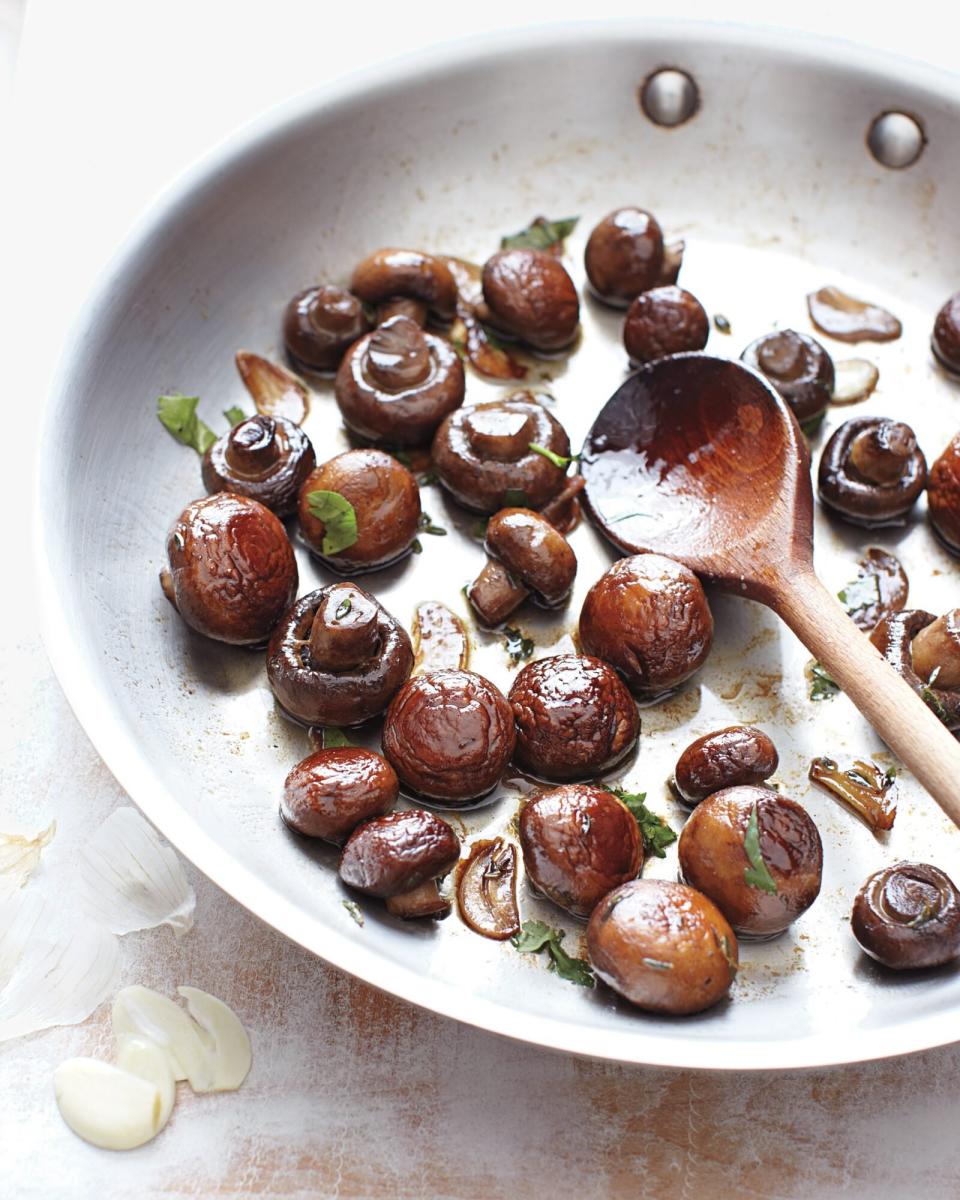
[(669, 97), (896, 139)]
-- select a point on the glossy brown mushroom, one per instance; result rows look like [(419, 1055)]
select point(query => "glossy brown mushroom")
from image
[(894, 637), (331, 791), (714, 853), (578, 843), (337, 657), (482, 454), (400, 858), (739, 754), (872, 471), (385, 501), (319, 326), (530, 296), (574, 717), (663, 946), (798, 367), (664, 320), (648, 616), (528, 557), (943, 496), (449, 735), (398, 383), (908, 916), (392, 274), (935, 650), (946, 335), (231, 570), (265, 458), (624, 255)]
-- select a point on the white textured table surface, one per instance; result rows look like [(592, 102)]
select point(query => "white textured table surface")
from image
[(352, 1093)]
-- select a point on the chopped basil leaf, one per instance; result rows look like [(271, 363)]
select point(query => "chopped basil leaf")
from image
[(540, 234), (822, 685), (333, 738), (338, 517), (932, 700), (536, 935), (234, 415), (178, 415), (757, 875), (518, 646), (416, 547), (343, 608), (426, 525), (427, 478), (721, 324), (558, 460), (354, 910), (515, 498), (862, 592), (656, 833)]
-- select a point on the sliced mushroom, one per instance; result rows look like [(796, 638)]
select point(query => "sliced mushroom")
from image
[(880, 589), (872, 471), (487, 890), (320, 324), (439, 639), (265, 458), (847, 319), (529, 557)]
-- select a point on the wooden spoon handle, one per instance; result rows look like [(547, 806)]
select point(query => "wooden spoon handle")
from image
[(911, 729)]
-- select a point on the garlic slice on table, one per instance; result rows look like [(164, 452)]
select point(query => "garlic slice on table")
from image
[(231, 1042), (113, 1107), (145, 1013)]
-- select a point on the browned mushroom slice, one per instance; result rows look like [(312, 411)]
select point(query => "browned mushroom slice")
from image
[(847, 319), (872, 471), (865, 789), (487, 890), (439, 639), (529, 556), (265, 458), (275, 392), (320, 324)]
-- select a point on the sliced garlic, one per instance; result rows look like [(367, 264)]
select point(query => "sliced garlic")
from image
[(231, 1056), (20, 856), (855, 379), (276, 391), (107, 1106), (144, 1012), (148, 1061)]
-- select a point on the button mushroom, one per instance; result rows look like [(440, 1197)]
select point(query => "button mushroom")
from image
[(574, 717), (320, 324), (449, 735), (946, 335), (664, 320), (398, 383), (872, 471), (799, 368), (943, 496), (648, 616), (527, 556), (265, 458), (390, 274), (374, 515), (739, 754), (530, 296), (756, 854), (330, 792), (231, 569), (483, 454), (908, 916), (337, 657), (662, 946), (624, 256), (578, 843), (930, 666), (400, 858)]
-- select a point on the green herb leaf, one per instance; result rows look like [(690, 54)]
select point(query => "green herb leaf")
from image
[(426, 525), (757, 875), (343, 608), (354, 910), (332, 738), (178, 415), (427, 478), (540, 234), (533, 936), (518, 646), (536, 935), (656, 833), (338, 517), (558, 460), (862, 592), (932, 700), (478, 530), (515, 498), (234, 415), (416, 547), (822, 685)]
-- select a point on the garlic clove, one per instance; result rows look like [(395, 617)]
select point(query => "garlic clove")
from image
[(855, 379), (148, 1061), (231, 1055), (107, 1106), (144, 1012), (276, 391)]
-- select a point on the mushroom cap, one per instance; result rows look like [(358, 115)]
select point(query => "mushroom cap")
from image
[(481, 482), (394, 854), (534, 552), (578, 843), (713, 858), (330, 792), (738, 754), (385, 499), (908, 916), (531, 297), (318, 695), (946, 335), (390, 273), (943, 496), (574, 717), (892, 637), (264, 458), (859, 500), (664, 320), (798, 366), (231, 570), (449, 735), (624, 255), (648, 616), (319, 324), (662, 946)]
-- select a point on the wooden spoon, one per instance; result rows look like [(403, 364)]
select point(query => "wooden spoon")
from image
[(699, 459)]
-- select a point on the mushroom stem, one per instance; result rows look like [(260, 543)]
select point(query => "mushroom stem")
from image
[(422, 901), (499, 433), (880, 452), (403, 306), (672, 262), (398, 356), (166, 585), (935, 651), (345, 629), (252, 446), (494, 593), (563, 511)]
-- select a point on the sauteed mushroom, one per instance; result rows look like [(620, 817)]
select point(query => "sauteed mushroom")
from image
[(449, 735), (662, 946), (388, 275), (400, 858), (265, 458), (946, 334), (908, 916), (664, 320), (337, 657), (799, 368), (928, 668), (385, 502), (330, 792), (943, 496), (624, 255), (649, 617), (756, 854), (231, 569), (531, 297), (482, 454), (578, 843), (574, 717), (320, 324), (527, 556), (398, 383), (872, 471), (739, 754)]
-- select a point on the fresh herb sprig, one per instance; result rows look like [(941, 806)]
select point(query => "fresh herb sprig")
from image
[(559, 460), (541, 234), (338, 517), (536, 936), (178, 415), (757, 875), (656, 833), (822, 684)]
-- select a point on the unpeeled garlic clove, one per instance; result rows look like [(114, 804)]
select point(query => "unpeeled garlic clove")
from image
[(231, 1042), (107, 1106)]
